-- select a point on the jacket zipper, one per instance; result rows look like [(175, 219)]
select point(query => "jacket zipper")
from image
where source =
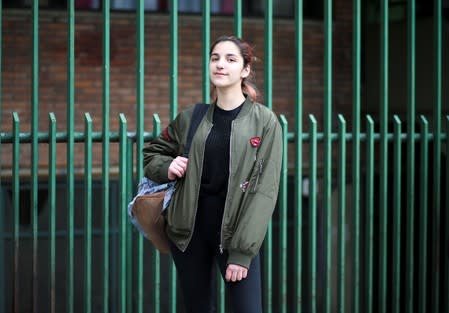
[(220, 246), (198, 191)]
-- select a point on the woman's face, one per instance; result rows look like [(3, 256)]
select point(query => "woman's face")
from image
[(226, 65)]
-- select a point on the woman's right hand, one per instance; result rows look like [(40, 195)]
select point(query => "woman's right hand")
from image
[(177, 168)]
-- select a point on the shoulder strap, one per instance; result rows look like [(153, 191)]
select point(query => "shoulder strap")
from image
[(198, 113)]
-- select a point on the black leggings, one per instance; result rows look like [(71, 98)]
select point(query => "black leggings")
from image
[(194, 268)]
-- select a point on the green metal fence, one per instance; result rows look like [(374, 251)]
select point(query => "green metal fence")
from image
[(383, 248)]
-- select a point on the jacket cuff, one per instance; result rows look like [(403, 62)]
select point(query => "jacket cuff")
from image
[(239, 258), (160, 176)]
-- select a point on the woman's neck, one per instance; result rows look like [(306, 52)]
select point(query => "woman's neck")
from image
[(229, 100)]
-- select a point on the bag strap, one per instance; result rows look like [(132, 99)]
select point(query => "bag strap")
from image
[(198, 113)]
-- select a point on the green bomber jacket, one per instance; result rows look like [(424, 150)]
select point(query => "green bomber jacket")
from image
[(254, 173)]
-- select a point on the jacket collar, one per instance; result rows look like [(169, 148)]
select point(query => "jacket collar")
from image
[(247, 105)]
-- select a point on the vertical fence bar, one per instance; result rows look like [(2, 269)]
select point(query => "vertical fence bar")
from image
[(268, 245), (2, 212), (34, 146), (409, 266), (445, 236), (130, 260), (268, 77), (140, 73), (313, 213), (283, 244), (369, 220), (105, 154), (87, 213), (174, 59), (16, 208), (2, 232), (173, 110), (52, 209), (341, 212), (383, 164), (436, 228), (122, 211), (297, 293), (238, 18), (423, 217), (156, 255), (70, 153), (396, 288), (2, 238), (221, 301), (206, 45), (327, 198), (356, 83)]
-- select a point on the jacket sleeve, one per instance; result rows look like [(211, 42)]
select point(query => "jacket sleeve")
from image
[(158, 155), (262, 196)]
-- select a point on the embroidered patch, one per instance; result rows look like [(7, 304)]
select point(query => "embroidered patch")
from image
[(244, 186), (165, 135), (255, 141)]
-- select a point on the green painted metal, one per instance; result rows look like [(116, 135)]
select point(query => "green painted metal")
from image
[(356, 85), (268, 62), (283, 244), (106, 151), (369, 202), (174, 59), (16, 209), (206, 46), (156, 255), (436, 202), (341, 213), (123, 218), (130, 191), (174, 106), (70, 154), (34, 146), (410, 226), (140, 114), (88, 214), (238, 18), (313, 215), (268, 95), (383, 157), (423, 216), (221, 301), (2, 212), (52, 207), (327, 166), (396, 287), (445, 230), (298, 232), (358, 294)]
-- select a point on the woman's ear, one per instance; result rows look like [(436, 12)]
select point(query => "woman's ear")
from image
[(245, 71)]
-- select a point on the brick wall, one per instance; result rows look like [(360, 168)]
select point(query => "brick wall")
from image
[(17, 47)]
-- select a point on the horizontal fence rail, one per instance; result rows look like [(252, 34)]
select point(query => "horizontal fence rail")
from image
[(362, 215)]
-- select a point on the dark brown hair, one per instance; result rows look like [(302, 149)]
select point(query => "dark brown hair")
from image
[(246, 52)]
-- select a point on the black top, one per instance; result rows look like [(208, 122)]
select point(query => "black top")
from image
[(214, 179)]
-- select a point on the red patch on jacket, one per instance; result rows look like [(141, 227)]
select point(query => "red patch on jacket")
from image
[(165, 135), (255, 141)]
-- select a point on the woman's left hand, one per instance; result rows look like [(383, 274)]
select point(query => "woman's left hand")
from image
[(235, 272)]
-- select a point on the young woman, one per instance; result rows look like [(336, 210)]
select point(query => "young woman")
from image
[(227, 188)]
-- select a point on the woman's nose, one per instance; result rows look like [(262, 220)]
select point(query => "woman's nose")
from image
[(219, 64)]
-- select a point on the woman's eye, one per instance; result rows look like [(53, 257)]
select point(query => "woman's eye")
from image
[(231, 60)]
